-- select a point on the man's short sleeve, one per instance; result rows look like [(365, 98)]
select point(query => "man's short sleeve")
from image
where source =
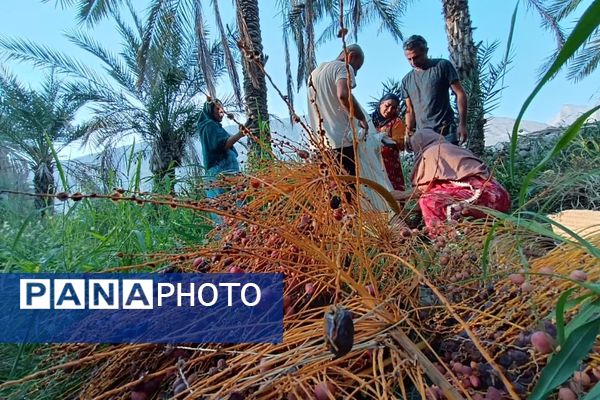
[(341, 73), (450, 72), (404, 88)]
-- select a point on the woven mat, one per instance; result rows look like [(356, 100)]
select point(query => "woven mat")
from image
[(585, 223)]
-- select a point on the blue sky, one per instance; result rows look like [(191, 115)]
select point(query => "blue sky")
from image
[(45, 24)]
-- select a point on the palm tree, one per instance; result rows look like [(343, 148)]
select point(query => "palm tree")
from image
[(463, 54), (35, 122), (155, 98), (248, 24)]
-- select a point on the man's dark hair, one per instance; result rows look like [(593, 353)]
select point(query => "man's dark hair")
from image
[(415, 42)]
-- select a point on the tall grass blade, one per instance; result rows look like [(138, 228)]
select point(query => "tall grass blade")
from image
[(585, 27), (594, 393), (587, 312), (24, 225), (560, 316), (511, 31), (59, 167), (137, 177), (485, 257), (536, 227), (130, 158)]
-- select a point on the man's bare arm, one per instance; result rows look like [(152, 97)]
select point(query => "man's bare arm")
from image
[(461, 102), (410, 115), (344, 96), (232, 140)]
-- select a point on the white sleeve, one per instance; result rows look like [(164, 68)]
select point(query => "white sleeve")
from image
[(342, 73)]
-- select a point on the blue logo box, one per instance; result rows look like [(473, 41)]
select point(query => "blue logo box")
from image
[(141, 308)]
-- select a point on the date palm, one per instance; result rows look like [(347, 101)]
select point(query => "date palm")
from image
[(156, 99), (255, 86), (35, 123), (249, 35)]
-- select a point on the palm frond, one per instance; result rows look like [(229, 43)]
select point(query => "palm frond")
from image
[(288, 74), (586, 60), (113, 65), (356, 11), (229, 60), (137, 22), (203, 52), (45, 57), (92, 11), (389, 14), (147, 39), (62, 3), (309, 22), (561, 9), (33, 116), (132, 41), (548, 20), (295, 25)]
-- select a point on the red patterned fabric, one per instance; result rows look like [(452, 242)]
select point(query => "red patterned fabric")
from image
[(391, 155), (393, 167), (447, 198)]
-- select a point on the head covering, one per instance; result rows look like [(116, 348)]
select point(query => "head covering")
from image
[(436, 159), (213, 137), (376, 117), (207, 115)]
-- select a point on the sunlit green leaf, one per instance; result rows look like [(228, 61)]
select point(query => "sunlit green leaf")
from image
[(562, 365)]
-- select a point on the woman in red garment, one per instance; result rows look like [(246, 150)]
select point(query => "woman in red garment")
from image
[(448, 179), (386, 119)]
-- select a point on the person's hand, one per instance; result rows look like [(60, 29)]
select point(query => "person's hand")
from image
[(364, 126), (462, 134), (387, 141)]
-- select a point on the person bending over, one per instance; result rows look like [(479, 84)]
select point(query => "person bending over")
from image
[(448, 180)]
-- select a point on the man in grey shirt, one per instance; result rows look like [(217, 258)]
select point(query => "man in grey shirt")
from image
[(426, 90)]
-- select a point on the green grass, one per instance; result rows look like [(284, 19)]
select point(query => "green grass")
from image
[(86, 237), (81, 237), (568, 180)]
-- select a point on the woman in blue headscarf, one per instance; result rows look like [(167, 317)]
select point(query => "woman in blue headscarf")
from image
[(218, 154)]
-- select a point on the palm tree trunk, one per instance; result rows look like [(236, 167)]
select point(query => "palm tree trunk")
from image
[(463, 54), (255, 87), (166, 156), (43, 183)]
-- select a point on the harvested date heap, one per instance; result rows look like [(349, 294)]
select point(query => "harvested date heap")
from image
[(433, 318)]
